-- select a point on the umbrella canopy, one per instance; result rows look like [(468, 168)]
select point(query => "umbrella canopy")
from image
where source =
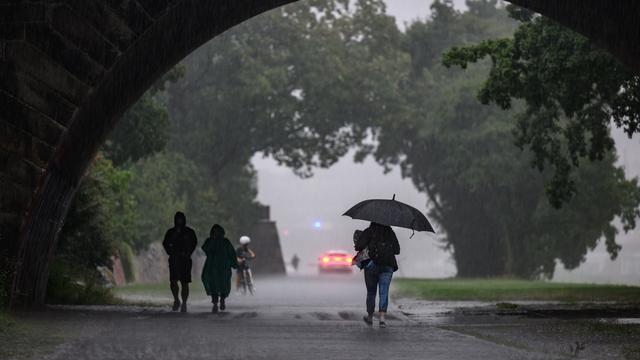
[(390, 212)]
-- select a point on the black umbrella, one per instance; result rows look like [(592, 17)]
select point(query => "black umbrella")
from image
[(390, 212)]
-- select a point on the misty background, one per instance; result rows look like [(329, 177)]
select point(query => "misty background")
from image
[(308, 211)]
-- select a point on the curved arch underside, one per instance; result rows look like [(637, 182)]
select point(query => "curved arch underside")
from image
[(70, 68), (69, 71)]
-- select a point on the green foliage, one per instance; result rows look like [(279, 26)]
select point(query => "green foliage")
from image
[(572, 91), (307, 82), (165, 183), (426, 41), (86, 239), (64, 288), (322, 71), (98, 219), (103, 218), (142, 131), (483, 193), (301, 83)]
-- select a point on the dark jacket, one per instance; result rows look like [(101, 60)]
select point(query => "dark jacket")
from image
[(377, 232), (180, 241)]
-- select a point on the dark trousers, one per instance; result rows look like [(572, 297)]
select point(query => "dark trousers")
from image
[(377, 279)]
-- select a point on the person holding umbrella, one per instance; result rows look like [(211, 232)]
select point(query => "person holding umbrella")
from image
[(382, 245)]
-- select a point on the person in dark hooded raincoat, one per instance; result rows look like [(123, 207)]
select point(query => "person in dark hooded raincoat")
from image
[(179, 242), (216, 274)]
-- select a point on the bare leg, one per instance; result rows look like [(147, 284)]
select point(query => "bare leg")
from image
[(174, 291), (185, 291), (185, 295)]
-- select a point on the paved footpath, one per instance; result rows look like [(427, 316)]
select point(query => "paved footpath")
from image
[(292, 318)]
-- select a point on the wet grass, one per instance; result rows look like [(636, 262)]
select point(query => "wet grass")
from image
[(512, 290)]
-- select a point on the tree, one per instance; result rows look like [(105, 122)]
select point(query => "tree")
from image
[(168, 182), (488, 200), (572, 91), (144, 129), (300, 83), (99, 218)]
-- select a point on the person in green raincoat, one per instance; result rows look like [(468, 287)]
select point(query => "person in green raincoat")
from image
[(216, 274)]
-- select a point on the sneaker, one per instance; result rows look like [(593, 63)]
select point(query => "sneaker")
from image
[(183, 308), (383, 324), (176, 305), (368, 320), (214, 310), (222, 305)]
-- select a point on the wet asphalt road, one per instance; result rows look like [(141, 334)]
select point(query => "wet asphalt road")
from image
[(293, 318)]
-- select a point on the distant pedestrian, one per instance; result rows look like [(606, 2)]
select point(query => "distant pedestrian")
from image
[(295, 261), (216, 274), (179, 242), (382, 245)]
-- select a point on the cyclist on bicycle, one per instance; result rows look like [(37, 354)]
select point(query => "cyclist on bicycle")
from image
[(244, 255)]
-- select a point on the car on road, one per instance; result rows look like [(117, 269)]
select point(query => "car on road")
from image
[(335, 261)]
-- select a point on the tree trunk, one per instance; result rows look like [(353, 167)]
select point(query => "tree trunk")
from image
[(508, 249)]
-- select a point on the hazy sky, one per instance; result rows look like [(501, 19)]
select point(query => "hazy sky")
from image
[(298, 204), (408, 10)]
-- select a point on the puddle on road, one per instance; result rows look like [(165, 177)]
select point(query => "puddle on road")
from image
[(246, 315)]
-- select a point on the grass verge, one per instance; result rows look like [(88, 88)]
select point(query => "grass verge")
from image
[(512, 290)]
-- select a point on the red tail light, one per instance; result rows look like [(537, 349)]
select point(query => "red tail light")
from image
[(335, 260)]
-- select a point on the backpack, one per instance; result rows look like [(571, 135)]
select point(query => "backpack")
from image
[(381, 249)]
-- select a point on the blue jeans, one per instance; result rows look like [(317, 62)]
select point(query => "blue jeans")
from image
[(377, 278)]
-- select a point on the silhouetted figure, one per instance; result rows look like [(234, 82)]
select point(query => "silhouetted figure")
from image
[(382, 246), (179, 242), (216, 274), (295, 261)]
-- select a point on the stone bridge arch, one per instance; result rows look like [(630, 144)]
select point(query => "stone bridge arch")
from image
[(66, 79)]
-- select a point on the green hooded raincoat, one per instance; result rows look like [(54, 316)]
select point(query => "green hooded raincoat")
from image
[(221, 257)]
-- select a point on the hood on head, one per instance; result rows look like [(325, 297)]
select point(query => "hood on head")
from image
[(179, 219), (217, 231)]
